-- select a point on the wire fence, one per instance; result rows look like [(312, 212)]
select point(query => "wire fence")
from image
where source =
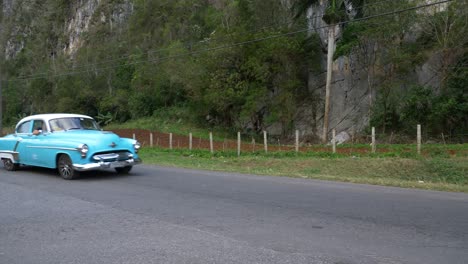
[(360, 143)]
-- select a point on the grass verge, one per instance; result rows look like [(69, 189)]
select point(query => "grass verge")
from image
[(432, 173)]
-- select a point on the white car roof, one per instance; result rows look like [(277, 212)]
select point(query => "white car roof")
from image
[(47, 117)]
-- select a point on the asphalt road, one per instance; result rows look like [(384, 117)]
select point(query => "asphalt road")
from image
[(167, 215)]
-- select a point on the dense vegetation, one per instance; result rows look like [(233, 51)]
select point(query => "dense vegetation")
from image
[(233, 63)]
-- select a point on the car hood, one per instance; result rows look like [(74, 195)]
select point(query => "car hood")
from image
[(91, 138)]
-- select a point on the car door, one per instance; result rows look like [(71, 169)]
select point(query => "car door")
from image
[(32, 147), (23, 135), (38, 146)]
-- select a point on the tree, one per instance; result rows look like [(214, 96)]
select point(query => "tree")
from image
[(336, 12), (445, 29)]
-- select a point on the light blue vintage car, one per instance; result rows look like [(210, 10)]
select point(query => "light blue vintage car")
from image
[(70, 143)]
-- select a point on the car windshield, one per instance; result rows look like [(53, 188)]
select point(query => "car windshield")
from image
[(69, 123)]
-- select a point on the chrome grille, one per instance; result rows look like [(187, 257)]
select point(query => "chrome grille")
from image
[(112, 156)]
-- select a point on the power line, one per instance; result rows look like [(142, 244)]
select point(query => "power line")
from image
[(40, 76), (198, 43)]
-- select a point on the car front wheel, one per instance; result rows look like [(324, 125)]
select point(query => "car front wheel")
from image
[(65, 168), (10, 165)]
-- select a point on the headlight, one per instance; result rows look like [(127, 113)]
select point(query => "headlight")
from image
[(83, 149), (136, 146)]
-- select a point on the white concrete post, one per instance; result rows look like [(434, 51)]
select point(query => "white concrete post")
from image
[(297, 140), (373, 140), (419, 138), (190, 141), (238, 143), (170, 140), (334, 140), (211, 143)]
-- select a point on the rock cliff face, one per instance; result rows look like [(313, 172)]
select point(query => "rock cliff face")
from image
[(83, 14), (350, 98), (7, 7), (351, 93), (353, 85), (12, 47), (79, 21)]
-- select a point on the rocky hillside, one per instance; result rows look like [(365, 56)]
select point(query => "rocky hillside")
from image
[(249, 65)]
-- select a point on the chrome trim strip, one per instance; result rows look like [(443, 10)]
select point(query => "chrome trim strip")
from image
[(17, 143), (47, 147)]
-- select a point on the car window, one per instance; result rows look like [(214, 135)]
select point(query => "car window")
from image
[(24, 127), (70, 123), (87, 123), (39, 125), (56, 125)]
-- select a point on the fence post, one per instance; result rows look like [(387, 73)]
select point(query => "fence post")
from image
[(211, 143), (373, 140), (265, 144), (170, 140), (419, 138), (238, 143), (134, 136), (334, 140), (151, 139), (297, 140), (190, 141), (253, 144)]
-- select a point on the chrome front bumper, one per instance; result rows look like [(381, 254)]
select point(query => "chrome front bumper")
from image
[(106, 165)]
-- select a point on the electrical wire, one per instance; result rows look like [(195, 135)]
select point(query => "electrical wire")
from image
[(198, 43), (41, 76)]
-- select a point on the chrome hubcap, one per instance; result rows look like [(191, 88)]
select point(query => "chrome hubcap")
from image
[(8, 164), (65, 169)]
